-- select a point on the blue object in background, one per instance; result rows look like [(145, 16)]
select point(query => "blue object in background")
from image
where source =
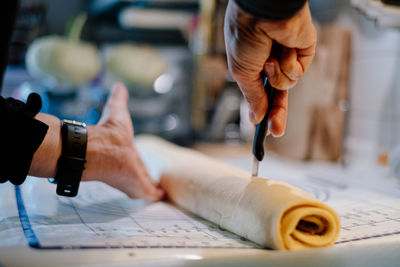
[(82, 105)]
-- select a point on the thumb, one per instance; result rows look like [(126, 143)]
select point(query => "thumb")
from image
[(116, 105)]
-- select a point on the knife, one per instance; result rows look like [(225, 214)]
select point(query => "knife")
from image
[(261, 128)]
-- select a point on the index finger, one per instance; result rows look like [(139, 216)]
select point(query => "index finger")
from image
[(305, 56)]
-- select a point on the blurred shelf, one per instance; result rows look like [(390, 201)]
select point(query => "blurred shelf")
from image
[(385, 15)]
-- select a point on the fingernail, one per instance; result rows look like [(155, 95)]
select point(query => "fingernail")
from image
[(279, 135), (272, 133)]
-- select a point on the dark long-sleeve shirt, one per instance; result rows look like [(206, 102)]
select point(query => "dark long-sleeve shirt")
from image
[(271, 9), (21, 135)]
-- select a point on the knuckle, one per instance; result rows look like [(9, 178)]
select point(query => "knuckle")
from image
[(289, 32), (282, 83)]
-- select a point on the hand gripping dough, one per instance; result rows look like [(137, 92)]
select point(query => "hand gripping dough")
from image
[(271, 213)]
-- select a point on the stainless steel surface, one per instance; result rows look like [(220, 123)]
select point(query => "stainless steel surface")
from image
[(254, 171)]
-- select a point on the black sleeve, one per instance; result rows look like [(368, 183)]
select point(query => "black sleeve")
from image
[(20, 136), (271, 9)]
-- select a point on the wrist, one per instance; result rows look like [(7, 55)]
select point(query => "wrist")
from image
[(92, 153), (98, 154)]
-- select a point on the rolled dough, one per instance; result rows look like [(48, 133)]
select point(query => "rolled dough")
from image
[(271, 213)]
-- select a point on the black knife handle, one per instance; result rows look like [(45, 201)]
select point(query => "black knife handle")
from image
[(262, 127)]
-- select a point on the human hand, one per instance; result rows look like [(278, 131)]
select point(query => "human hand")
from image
[(249, 41), (111, 153)]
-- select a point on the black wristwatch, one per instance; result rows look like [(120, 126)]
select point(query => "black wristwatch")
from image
[(72, 160)]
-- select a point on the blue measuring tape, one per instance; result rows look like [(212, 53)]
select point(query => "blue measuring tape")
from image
[(30, 235)]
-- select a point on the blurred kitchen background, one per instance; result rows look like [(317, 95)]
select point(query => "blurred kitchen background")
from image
[(171, 56)]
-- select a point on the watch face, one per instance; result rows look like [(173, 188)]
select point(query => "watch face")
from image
[(75, 123)]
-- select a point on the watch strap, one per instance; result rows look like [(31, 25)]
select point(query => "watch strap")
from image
[(72, 159)]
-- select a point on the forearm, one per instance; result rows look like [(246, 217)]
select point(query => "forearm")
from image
[(44, 162), (271, 9)]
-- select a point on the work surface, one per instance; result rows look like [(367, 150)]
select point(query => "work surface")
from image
[(103, 226)]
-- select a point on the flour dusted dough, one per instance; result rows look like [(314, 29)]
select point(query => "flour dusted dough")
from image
[(271, 213)]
